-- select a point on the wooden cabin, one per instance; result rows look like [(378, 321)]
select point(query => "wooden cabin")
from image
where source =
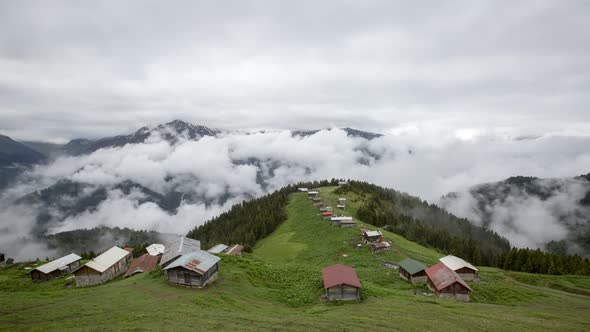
[(108, 265), (341, 283), (465, 270), (380, 246), (372, 236), (57, 268), (195, 269), (218, 249), (343, 221), (313, 193), (180, 246), (236, 250), (444, 282), (142, 264), (155, 249), (413, 271)]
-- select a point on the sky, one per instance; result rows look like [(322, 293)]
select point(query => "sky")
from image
[(92, 69)]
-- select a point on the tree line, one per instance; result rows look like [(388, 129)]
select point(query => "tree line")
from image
[(431, 226), (250, 221)]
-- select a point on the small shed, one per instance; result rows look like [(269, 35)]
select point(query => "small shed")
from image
[(182, 245), (467, 271), (372, 236), (380, 246), (413, 271), (218, 249), (56, 268), (327, 214), (143, 263), (341, 283), (104, 267), (195, 269), (155, 249), (444, 282), (343, 221), (236, 250)]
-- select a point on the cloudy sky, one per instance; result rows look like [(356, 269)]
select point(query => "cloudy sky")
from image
[(87, 69)]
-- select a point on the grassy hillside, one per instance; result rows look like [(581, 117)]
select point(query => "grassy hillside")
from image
[(279, 284)]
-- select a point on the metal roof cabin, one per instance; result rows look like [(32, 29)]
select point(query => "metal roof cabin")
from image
[(142, 264), (341, 283), (195, 269), (467, 271), (444, 282), (343, 221), (236, 250), (380, 246), (218, 249), (372, 236), (56, 268), (104, 267), (155, 249), (182, 245), (413, 271)]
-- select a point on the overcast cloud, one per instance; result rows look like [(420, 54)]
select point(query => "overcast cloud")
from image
[(89, 69)]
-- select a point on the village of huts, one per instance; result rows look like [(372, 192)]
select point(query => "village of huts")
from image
[(185, 264), (445, 279)]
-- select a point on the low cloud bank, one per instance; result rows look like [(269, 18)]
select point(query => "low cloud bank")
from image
[(238, 166)]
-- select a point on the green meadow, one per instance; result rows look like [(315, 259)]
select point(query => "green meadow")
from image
[(278, 287)]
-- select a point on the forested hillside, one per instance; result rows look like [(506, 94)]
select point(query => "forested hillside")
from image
[(250, 221)]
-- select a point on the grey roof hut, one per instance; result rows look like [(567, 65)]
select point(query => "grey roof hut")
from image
[(195, 269), (56, 268), (182, 245)]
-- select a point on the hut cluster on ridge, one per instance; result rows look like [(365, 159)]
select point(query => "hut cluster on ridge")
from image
[(445, 279)]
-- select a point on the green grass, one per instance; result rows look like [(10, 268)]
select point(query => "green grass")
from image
[(278, 287)]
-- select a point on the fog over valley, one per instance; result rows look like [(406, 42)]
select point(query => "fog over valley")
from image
[(171, 181)]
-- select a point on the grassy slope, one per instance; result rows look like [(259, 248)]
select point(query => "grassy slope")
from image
[(279, 285)]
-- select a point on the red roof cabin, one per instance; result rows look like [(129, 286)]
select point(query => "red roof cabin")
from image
[(445, 282), (341, 283)]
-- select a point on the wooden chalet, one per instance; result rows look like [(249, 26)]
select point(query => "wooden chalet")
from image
[(313, 193), (236, 250), (104, 267), (218, 249), (372, 236), (327, 214), (413, 271), (444, 282), (142, 264), (380, 246), (56, 268), (467, 271), (155, 249), (341, 283), (343, 221), (195, 269), (180, 246)]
